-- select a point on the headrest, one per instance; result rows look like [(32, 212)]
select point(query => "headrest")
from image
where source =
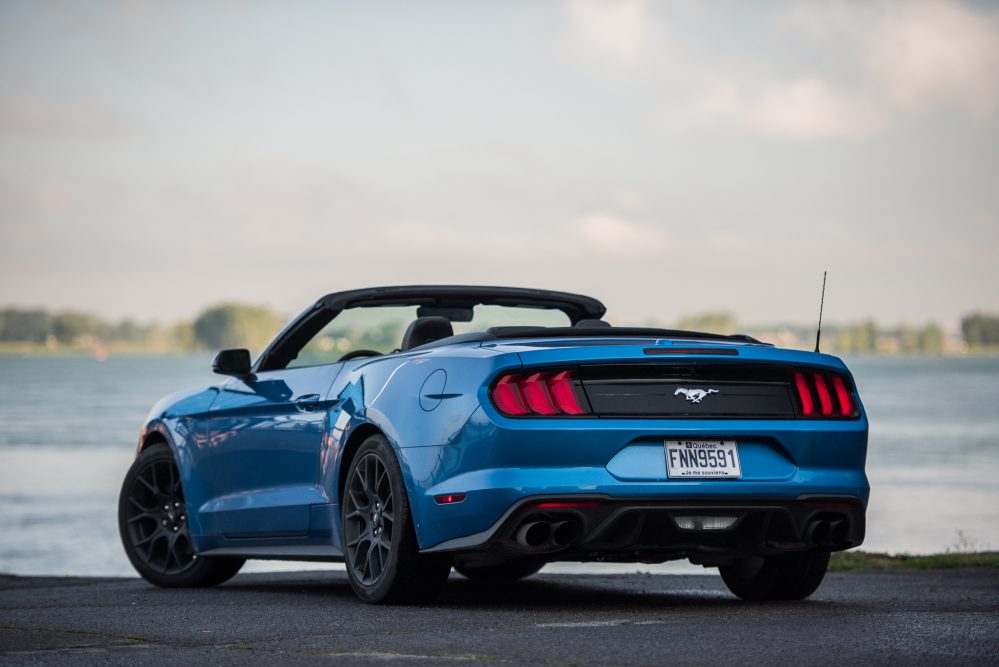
[(591, 324), (425, 330)]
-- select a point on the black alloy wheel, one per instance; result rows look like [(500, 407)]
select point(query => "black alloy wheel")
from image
[(369, 519), (156, 519), (789, 576), (382, 554), (153, 524)]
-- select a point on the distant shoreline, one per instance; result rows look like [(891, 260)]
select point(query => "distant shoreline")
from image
[(42, 351)]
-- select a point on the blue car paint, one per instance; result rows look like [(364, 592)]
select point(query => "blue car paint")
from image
[(257, 471), (265, 438)]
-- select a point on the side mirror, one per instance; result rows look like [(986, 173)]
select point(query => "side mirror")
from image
[(232, 362)]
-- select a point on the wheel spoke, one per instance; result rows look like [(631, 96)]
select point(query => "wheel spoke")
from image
[(175, 482), (367, 479), (358, 561), (149, 539), (174, 551), (365, 535), (370, 557), (359, 505), (167, 557), (362, 477), (152, 487), (142, 507)]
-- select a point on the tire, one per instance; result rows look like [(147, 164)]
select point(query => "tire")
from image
[(381, 552), (510, 570), (152, 523), (792, 576)]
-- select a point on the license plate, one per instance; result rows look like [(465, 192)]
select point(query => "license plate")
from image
[(702, 458)]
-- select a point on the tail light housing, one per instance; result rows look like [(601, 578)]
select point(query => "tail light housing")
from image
[(544, 393), (824, 395)]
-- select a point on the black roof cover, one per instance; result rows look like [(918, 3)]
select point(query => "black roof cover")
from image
[(576, 306)]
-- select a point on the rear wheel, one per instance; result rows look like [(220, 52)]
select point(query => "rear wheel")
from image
[(152, 522), (510, 570), (792, 576), (380, 546)]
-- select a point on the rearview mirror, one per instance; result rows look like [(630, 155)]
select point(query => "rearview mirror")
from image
[(232, 362)]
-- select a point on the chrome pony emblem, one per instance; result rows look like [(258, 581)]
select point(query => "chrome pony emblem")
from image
[(694, 395)]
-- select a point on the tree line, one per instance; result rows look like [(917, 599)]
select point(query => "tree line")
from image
[(220, 326), (979, 331), (243, 325)]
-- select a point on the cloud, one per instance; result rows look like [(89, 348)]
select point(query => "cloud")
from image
[(608, 235), (800, 109), (938, 54), (916, 54), (812, 71), (619, 32)]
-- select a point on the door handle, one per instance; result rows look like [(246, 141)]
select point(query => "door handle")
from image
[(307, 403)]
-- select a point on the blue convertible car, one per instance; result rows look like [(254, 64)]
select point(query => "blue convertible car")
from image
[(409, 430)]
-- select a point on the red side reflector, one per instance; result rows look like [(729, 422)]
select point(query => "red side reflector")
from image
[(534, 389), (842, 397), (506, 396), (805, 394), (823, 391), (449, 498), (565, 506), (563, 393)]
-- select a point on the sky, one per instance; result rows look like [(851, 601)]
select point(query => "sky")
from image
[(668, 158)]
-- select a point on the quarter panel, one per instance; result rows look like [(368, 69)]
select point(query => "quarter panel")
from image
[(386, 393)]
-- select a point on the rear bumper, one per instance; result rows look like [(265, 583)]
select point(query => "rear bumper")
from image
[(499, 464), (585, 527)]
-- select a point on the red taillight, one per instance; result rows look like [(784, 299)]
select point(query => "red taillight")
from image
[(830, 391), (564, 394), (506, 396), (824, 399), (534, 389), (545, 393), (805, 394), (842, 397)]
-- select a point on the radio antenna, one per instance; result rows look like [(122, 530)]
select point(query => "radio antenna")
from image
[(822, 301)]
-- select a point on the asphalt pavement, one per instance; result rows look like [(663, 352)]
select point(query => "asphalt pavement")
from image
[(902, 617)]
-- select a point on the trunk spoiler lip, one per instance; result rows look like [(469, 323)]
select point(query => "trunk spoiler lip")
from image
[(619, 335)]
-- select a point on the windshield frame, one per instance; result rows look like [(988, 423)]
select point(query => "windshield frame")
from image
[(286, 346)]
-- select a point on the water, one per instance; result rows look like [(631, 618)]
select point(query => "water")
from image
[(68, 429)]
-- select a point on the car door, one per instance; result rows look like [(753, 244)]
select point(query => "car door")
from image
[(264, 446)]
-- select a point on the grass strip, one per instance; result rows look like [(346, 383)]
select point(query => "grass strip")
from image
[(859, 561)]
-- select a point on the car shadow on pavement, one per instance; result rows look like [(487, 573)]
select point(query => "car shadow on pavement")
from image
[(552, 592)]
